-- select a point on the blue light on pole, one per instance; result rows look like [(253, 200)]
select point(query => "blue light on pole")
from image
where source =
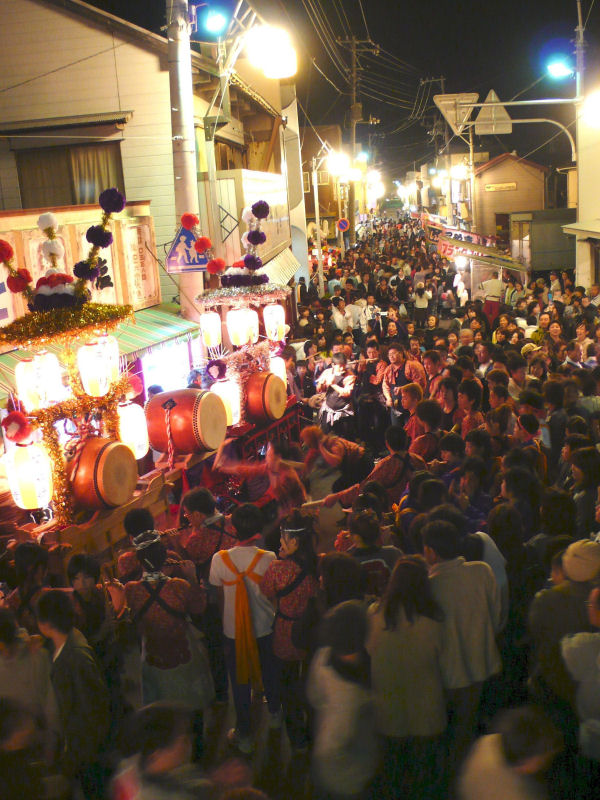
[(215, 21), (560, 68)]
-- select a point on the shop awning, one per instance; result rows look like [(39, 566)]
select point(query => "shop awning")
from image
[(282, 268), (153, 327), (590, 227)]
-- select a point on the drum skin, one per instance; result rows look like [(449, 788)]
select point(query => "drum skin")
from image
[(198, 421), (106, 475), (266, 396)]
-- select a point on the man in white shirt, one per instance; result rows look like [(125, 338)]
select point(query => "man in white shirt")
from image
[(493, 290), (355, 312), (247, 640), (339, 316)]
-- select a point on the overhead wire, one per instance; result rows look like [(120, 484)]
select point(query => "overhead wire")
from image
[(329, 47), (362, 11), (588, 14)]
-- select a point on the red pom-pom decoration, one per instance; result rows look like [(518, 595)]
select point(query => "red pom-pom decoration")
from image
[(17, 283), (136, 384), (202, 244), (216, 265), (189, 221), (17, 427), (239, 264), (6, 251)]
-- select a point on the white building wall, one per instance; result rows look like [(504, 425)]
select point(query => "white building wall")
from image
[(39, 79)]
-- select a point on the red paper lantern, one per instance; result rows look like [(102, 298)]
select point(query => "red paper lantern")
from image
[(202, 244), (136, 384), (189, 221), (216, 265)]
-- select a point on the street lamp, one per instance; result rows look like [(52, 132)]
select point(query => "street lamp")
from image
[(270, 49), (560, 68), (590, 110)]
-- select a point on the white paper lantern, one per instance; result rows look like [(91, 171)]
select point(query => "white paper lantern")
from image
[(277, 367), (133, 429), (39, 381), (29, 474), (242, 325), (210, 326), (229, 392), (98, 363), (252, 325), (274, 317)]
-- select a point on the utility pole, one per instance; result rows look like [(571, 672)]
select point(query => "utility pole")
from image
[(315, 180), (183, 136), (356, 46)]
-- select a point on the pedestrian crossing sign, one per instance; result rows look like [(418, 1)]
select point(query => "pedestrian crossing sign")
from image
[(182, 257)]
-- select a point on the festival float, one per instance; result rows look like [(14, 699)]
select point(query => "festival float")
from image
[(243, 329), (75, 434)]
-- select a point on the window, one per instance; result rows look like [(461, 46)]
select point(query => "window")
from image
[(323, 178), (306, 181), (64, 176)]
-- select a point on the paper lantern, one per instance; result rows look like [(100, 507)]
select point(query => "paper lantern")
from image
[(277, 367), (210, 326), (98, 363), (242, 325), (229, 392), (39, 381), (29, 474), (133, 430), (274, 317), (252, 326)]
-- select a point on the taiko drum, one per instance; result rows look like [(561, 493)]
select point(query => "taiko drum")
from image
[(105, 475), (265, 396), (197, 420)]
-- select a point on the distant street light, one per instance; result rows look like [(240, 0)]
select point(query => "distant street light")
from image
[(338, 164)]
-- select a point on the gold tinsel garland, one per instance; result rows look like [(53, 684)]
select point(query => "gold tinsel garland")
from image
[(241, 296), (64, 326), (75, 408)]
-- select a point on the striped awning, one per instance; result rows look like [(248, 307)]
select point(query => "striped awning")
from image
[(153, 327), (282, 268)]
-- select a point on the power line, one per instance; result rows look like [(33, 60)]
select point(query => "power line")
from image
[(362, 11), (588, 14)]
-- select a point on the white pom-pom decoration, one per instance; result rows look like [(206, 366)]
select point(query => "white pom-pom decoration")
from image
[(244, 240), (53, 247), (47, 220), (247, 215)]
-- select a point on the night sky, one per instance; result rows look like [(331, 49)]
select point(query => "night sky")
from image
[(475, 46)]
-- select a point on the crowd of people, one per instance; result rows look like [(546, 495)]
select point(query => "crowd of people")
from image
[(446, 645)]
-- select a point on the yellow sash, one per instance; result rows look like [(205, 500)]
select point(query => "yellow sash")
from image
[(247, 662)]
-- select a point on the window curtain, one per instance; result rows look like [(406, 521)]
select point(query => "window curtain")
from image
[(65, 176), (44, 177), (94, 168)]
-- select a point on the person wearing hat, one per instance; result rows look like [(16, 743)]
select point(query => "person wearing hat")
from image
[(345, 756), (528, 351), (558, 612), (581, 654)]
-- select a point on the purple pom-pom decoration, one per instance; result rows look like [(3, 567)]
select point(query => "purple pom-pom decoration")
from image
[(111, 201), (256, 237), (228, 281), (252, 262), (261, 209), (84, 272), (97, 236)]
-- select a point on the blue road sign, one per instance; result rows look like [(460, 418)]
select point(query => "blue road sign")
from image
[(343, 224), (182, 257)]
